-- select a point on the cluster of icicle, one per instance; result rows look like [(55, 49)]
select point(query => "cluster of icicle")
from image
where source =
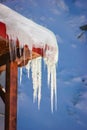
[(35, 66), (30, 33)]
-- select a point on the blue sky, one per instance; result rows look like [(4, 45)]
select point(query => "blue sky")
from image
[(64, 18)]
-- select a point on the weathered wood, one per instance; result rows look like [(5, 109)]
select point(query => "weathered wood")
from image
[(2, 93), (11, 96), (3, 58), (4, 46)]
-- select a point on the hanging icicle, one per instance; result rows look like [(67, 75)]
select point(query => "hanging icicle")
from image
[(36, 77), (20, 75), (28, 66), (51, 68)]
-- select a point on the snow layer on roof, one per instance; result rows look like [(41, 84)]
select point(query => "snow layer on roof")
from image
[(32, 34)]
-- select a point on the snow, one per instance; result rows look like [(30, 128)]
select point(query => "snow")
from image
[(31, 34)]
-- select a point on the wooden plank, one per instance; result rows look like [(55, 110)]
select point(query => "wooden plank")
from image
[(3, 59), (11, 96)]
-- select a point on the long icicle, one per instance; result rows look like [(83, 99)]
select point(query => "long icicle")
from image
[(52, 82), (28, 66), (39, 81), (20, 75), (34, 78)]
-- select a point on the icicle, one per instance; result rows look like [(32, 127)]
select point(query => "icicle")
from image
[(39, 81), (53, 87), (20, 75), (20, 51), (51, 67), (28, 66), (36, 77), (24, 56), (12, 47), (49, 74)]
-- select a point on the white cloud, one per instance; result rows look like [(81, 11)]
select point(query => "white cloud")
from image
[(80, 78), (77, 79), (82, 105), (62, 5), (76, 21), (44, 19), (58, 6), (55, 11)]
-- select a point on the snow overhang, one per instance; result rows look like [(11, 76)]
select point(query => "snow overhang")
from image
[(22, 31)]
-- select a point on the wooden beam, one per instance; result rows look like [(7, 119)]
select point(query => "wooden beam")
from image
[(2, 93), (11, 96), (3, 58)]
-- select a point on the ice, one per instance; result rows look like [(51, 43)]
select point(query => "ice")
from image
[(52, 83), (28, 66), (31, 34), (36, 77), (12, 47), (20, 75)]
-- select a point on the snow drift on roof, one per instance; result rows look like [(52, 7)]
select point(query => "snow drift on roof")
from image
[(31, 34)]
